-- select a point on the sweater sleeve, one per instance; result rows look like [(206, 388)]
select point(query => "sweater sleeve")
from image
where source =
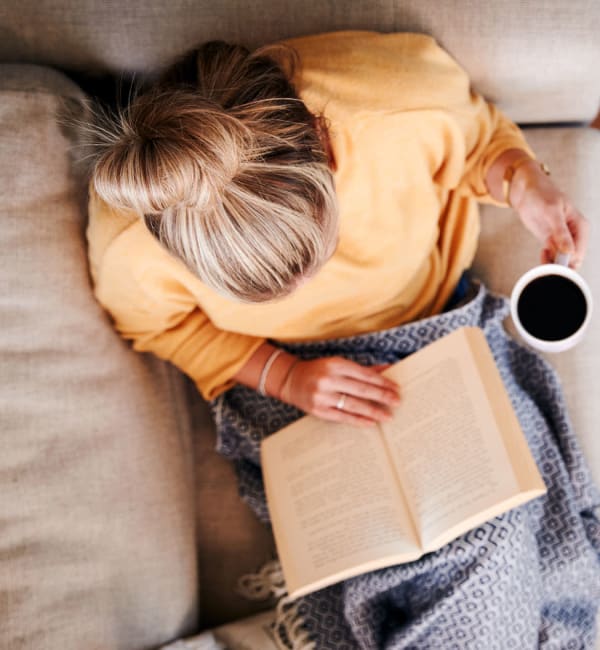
[(158, 314), (410, 82), (488, 133)]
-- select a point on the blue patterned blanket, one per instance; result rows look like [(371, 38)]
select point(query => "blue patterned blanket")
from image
[(527, 579)]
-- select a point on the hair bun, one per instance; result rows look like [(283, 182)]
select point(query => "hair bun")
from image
[(169, 148), (223, 160)]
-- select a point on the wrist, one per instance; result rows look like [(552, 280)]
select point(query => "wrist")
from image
[(278, 373), (526, 176), (499, 172)]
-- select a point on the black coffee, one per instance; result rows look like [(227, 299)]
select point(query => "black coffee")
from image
[(552, 308)]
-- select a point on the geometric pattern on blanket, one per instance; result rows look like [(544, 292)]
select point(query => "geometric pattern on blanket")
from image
[(526, 579)]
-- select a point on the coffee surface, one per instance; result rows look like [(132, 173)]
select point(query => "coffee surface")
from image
[(552, 308)]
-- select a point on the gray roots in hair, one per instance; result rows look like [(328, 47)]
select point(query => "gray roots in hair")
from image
[(226, 166)]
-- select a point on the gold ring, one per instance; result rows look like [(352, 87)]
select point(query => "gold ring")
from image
[(341, 401)]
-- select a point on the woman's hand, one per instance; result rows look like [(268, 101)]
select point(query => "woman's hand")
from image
[(332, 388), (549, 214), (340, 390)]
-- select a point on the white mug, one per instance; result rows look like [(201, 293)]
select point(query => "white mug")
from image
[(559, 267)]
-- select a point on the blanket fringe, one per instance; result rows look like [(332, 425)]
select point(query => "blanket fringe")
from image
[(289, 621), (267, 582), (288, 627)]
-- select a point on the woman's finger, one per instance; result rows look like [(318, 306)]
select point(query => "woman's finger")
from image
[(364, 390), (561, 236), (579, 228), (380, 367), (547, 256), (363, 373), (336, 415), (363, 407)]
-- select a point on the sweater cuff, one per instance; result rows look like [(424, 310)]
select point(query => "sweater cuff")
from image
[(225, 366)]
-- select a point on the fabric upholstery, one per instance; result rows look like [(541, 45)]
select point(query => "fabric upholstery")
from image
[(538, 60), (97, 548), (507, 250), (231, 541)]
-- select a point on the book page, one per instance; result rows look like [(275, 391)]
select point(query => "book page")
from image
[(448, 452), (524, 466), (335, 503)]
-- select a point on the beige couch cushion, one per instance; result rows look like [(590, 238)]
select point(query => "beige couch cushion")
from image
[(97, 548), (231, 540), (507, 250), (537, 59)]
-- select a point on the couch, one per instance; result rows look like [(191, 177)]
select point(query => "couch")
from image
[(120, 526)]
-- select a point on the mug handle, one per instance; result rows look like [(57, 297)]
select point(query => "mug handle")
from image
[(562, 259)]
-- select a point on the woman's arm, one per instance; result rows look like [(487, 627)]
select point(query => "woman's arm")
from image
[(158, 314), (163, 319), (317, 386), (545, 211)]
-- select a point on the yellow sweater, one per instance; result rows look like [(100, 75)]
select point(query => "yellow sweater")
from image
[(412, 145)]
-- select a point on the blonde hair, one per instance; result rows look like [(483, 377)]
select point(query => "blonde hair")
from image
[(226, 166)]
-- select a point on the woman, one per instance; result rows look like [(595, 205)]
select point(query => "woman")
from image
[(250, 206)]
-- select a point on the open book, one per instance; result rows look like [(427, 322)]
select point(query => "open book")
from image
[(345, 500)]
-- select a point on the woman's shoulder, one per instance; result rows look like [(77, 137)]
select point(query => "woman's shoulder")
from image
[(360, 45), (120, 246), (362, 39), (350, 71)]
